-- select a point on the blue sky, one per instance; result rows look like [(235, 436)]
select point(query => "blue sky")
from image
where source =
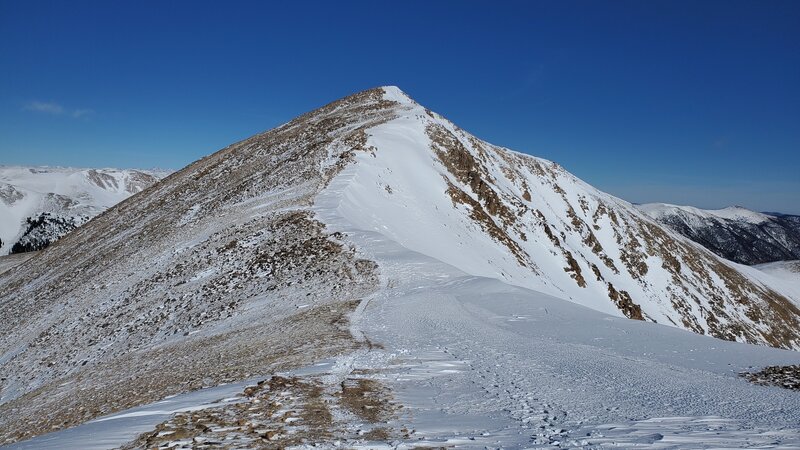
[(684, 102)]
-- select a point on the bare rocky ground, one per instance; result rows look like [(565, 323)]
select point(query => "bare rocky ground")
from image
[(787, 377), (290, 343), (280, 412)]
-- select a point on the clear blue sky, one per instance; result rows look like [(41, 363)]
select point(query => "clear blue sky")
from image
[(686, 102)]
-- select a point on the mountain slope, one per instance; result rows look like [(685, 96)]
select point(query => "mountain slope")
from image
[(217, 273), (734, 233), (493, 212), (39, 205), (234, 266)]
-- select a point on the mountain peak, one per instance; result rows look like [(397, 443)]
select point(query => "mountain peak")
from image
[(394, 93)]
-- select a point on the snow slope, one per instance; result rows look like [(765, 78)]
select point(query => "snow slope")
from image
[(27, 192), (491, 212), (787, 272), (485, 289), (735, 233), (477, 362)]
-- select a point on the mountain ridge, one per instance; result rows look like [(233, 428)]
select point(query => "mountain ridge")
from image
[(568, 217), (734, 233), (225, 269)]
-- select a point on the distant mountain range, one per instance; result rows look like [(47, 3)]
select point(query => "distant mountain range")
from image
[(39, 205), (734, 233)]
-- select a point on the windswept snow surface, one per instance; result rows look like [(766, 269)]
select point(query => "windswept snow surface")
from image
[(117, 429), (478, 362), (785, 273)]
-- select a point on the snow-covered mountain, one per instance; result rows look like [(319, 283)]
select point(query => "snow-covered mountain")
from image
[(735, 233), (376, 235), (787, 272), (39, 205)]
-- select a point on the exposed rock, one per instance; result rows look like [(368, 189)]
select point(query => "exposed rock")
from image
[(787, 377)]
